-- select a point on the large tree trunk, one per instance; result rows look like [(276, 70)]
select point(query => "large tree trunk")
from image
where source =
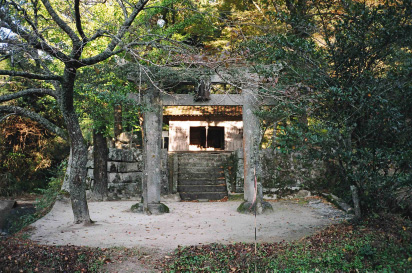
[(77, 170), (100, 152), (78, 148)]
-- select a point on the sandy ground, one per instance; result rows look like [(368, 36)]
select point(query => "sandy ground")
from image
[(187, 224)]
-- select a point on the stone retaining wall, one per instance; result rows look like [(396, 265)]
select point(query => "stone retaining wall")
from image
[(125, 173), (281, 174)]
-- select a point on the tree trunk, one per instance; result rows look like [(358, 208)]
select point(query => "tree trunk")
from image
[(66, 182), (77, 171), (100, 152), (356, 203)]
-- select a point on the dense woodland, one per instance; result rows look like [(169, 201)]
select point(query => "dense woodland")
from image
[(343, 84)]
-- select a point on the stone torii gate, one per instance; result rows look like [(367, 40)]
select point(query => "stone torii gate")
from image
[(155, 98)]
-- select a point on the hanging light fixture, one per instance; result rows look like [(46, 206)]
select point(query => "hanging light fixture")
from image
[(160, 22)]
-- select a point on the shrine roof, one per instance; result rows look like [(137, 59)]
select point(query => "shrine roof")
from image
[(224, 111)]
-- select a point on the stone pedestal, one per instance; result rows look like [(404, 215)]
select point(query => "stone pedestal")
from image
[(155, 209)]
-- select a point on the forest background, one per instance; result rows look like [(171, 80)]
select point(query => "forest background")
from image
[(343, 88)]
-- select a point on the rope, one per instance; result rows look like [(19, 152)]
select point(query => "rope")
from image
[(255, 203)]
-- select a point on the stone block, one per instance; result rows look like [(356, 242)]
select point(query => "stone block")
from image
[(90, 153), (7, 204), (137, 155), (124, 167), (156, 208), (89, 182), (132, 177), (303, 194), (90, 164), (90, 173), (114, 154), (121, 155), (127, 156)]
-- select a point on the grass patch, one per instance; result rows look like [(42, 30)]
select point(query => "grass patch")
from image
[(381, 244)]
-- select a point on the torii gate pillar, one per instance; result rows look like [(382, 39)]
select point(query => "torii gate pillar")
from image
[(253, 197), (152, 129)]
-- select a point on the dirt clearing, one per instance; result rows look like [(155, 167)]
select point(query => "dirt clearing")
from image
[(188, 223)]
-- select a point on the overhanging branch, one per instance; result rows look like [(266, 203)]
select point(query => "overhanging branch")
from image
[(35, 40), (38, 91), (30, 75), (78, 19), (7, 109), (65, 27), (109, 51)]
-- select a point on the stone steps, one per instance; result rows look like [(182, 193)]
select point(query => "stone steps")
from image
[(201, 182), (202, 188), (201, 176), (212, 175), (186, 196)]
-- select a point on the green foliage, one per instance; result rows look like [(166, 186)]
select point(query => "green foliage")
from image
[(231, 168), (28, 156), (343, 100), (99, 90), (44, 203)]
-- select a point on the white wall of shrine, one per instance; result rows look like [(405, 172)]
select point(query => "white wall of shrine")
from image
[(179, 134)]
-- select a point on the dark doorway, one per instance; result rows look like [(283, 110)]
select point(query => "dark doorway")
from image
[(198, 136), (216, 138)]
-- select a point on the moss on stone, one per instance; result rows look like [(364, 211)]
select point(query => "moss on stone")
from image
[(163, 208), (249, 208), (152, 208), (138, 207)]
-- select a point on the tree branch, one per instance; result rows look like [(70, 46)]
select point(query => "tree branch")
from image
[(99, 33), (78, 19), (38, 91), (108, 52), (125, 13), (28, 19), (65, 27), (30, 75), (9, 23), (34, 116)]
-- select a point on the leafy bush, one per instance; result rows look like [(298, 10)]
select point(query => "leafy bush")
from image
[(346, 102), (43, 204)]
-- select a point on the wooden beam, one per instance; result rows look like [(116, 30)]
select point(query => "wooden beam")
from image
[(215, 99)]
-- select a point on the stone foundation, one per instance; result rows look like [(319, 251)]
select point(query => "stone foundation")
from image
[(125, 172), (280, 174)]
